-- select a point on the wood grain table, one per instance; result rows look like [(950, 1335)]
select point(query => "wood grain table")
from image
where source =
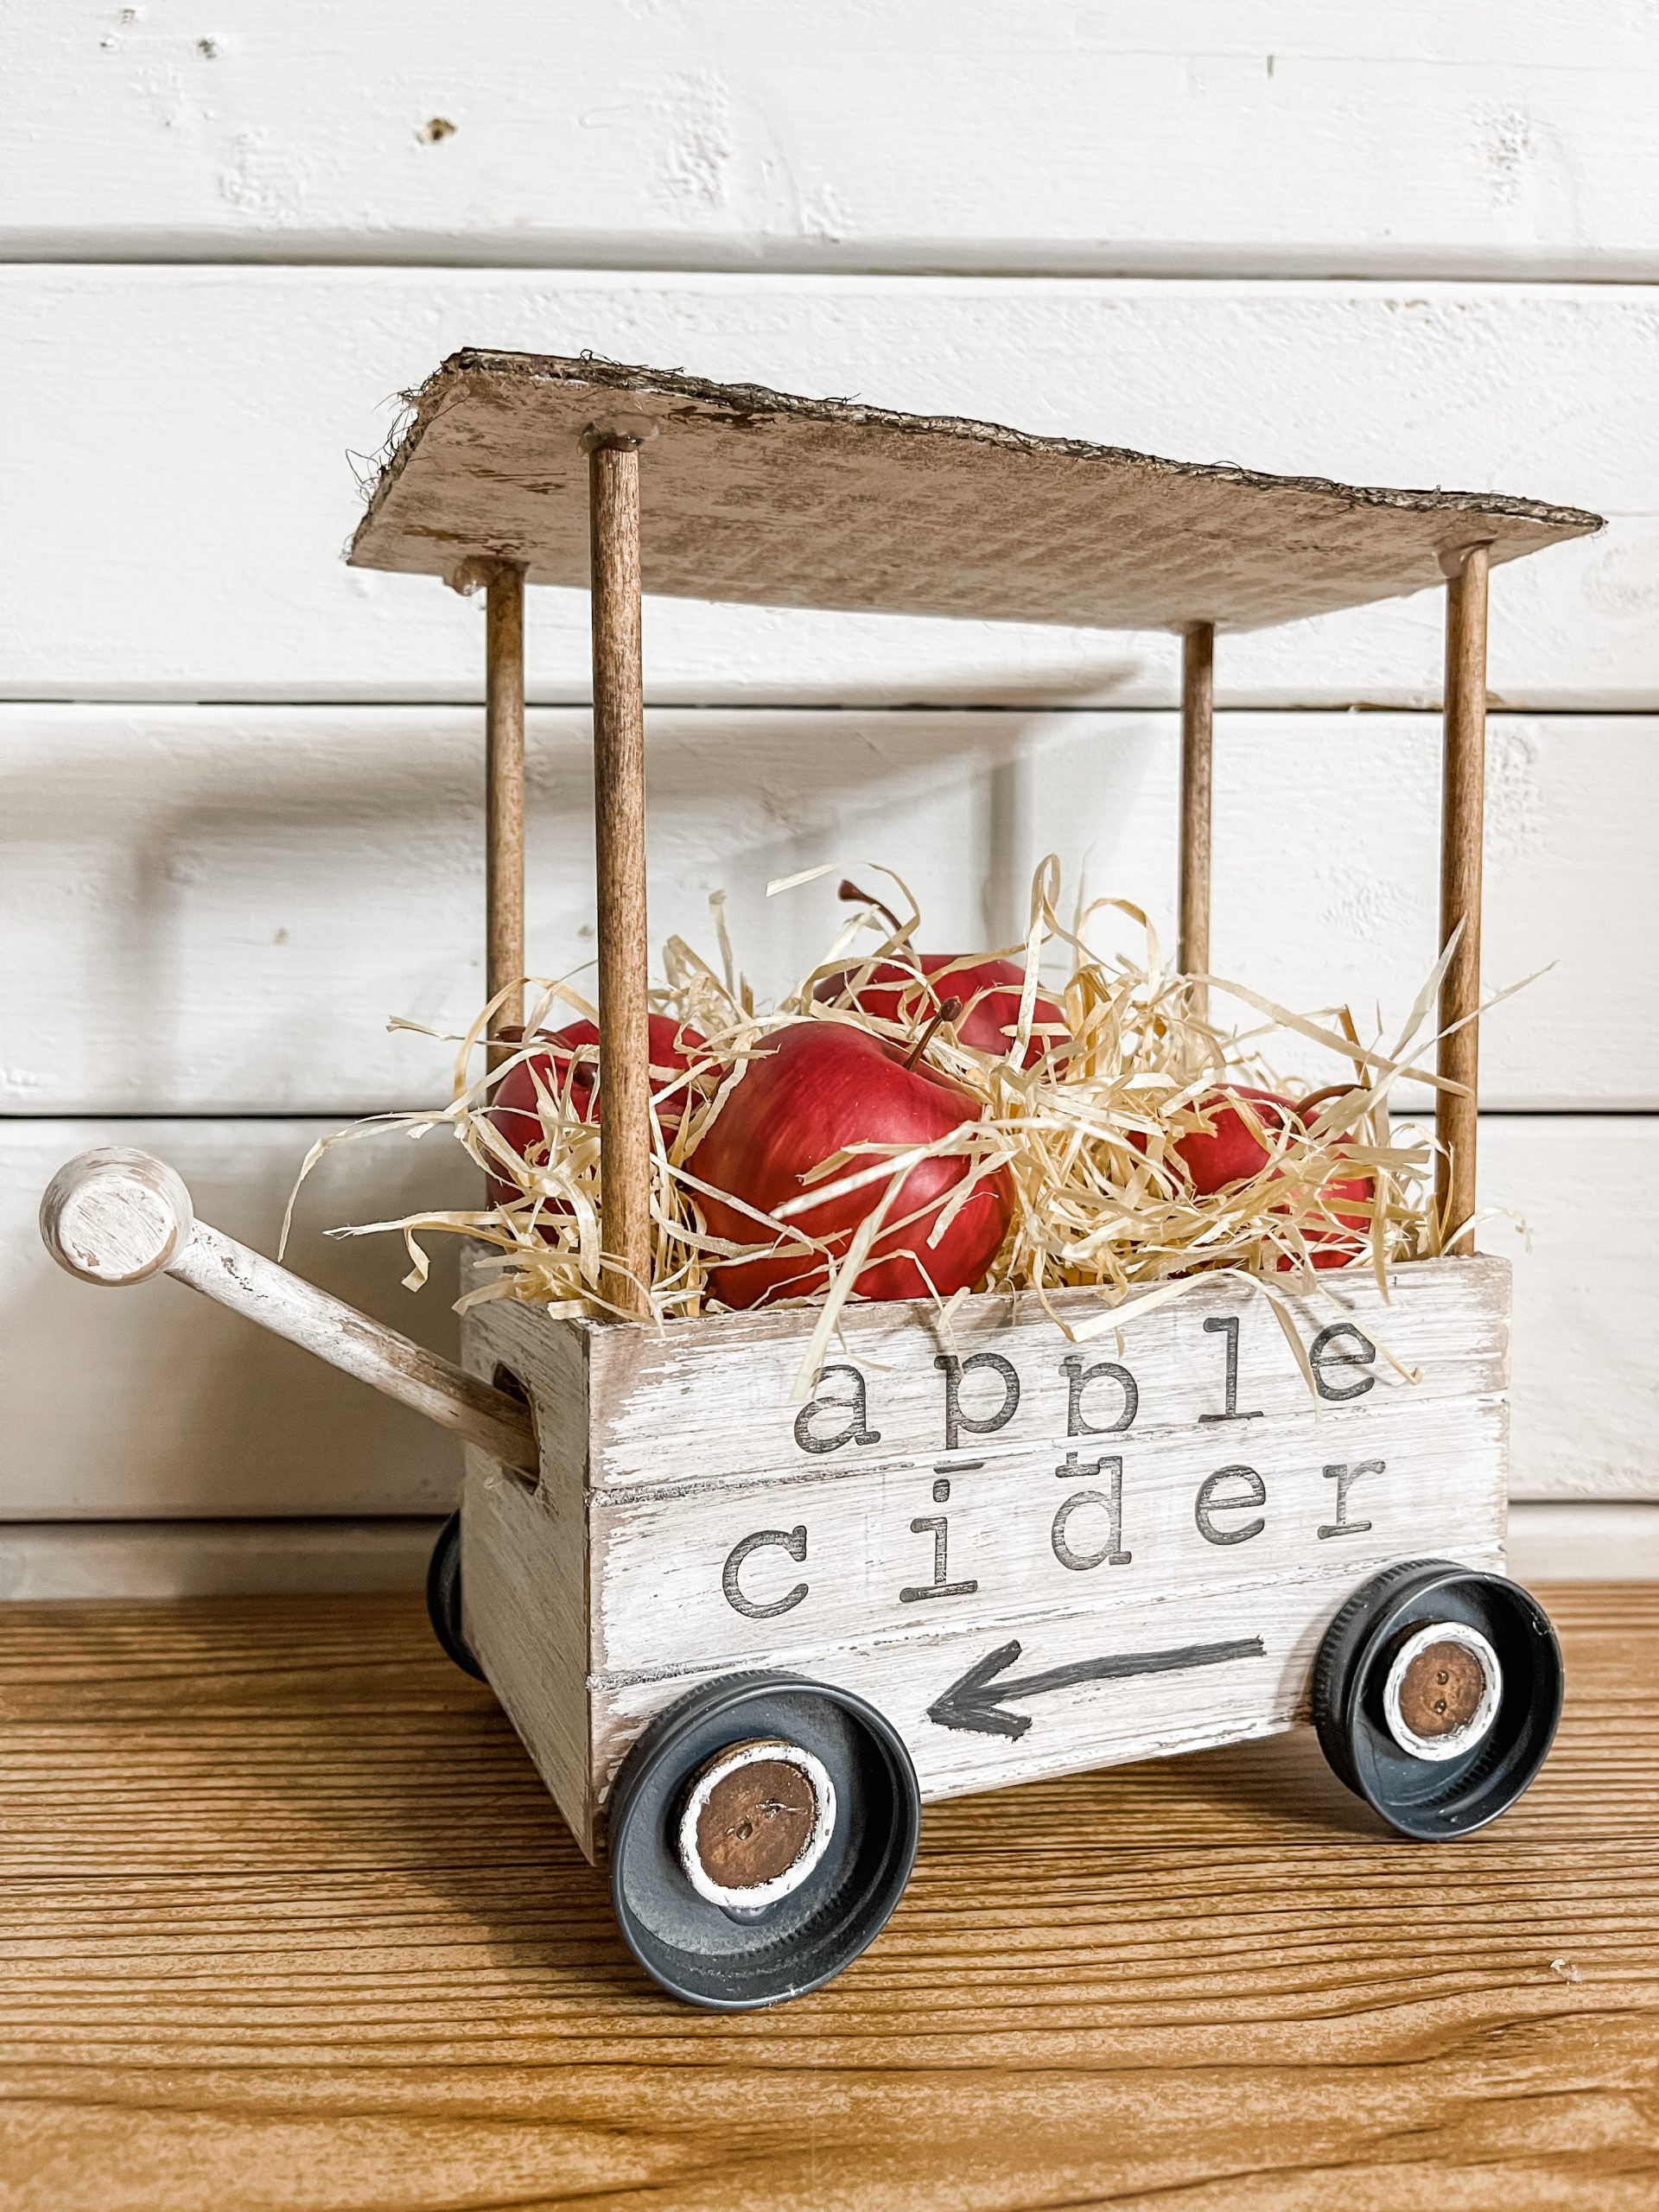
[(289, 1923)]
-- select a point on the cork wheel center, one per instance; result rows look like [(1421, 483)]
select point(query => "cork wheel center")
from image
[(756, 1824), (757, 1819), (1442, 1690)]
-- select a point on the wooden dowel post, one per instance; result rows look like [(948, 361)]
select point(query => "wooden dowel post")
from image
[(503, 801), (619, 825), (1462, 801), (1198, 718)]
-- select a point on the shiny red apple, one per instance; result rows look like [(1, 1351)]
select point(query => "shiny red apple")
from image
[(990, 991), (516, 1107), (1231, 1150), (1347, 1197), (819, 1087)]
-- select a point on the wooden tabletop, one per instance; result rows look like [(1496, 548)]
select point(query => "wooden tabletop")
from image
[(289, 1923)]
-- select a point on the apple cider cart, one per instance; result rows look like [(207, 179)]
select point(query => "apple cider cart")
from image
[(744, 1638)]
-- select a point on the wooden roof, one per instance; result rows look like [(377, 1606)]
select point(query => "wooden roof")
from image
[(755, 495)]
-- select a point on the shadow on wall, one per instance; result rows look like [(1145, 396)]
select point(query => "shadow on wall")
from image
[(234, 901)]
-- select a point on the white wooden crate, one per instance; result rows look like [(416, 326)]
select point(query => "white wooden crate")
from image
[(1032, 1556)]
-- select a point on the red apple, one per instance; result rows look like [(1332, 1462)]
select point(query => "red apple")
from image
[(990, 991), (819, 1087), (1348, 1197), (1230, 1151), (515, 1108)]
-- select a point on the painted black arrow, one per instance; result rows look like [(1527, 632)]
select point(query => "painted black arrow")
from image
[(977, 1700)]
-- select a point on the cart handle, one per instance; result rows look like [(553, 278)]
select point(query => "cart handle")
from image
[(118, 1216)]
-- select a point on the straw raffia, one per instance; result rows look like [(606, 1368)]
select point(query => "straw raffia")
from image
[(1086, 1133)]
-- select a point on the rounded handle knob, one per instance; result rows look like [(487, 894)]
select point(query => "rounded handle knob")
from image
[(115, 1215)]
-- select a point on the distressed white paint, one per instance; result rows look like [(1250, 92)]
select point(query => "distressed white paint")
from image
[(1094, 1722), (275, 1298), (114, 1217), (53, 1560), (711, 1400), (685, 1527), (527, 1594), (1433, 1482), (251, 386), (1279, 136), (237, 898)]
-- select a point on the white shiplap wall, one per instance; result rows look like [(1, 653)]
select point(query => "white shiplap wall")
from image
[(1502, 138), (241, 784)]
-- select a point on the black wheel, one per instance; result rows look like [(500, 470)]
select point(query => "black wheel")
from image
[(1436, 1693), (443, 1596), (761, 1832)]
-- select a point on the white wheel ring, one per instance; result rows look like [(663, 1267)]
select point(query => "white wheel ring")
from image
[(1456, 1741)]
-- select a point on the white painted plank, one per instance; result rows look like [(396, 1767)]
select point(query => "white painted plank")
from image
[(234, 901), (1033, 1536), (710, 1402), (1278, 135), (154, 1402), (204, 416), (1091, 1721), (1584, 1384), (1584, 1543), (150, 1403), (526, 1616), (213, 1559)]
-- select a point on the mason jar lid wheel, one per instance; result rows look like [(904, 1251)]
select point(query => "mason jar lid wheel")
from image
[(1436, 1694), (761, 1832), (443, 1598)]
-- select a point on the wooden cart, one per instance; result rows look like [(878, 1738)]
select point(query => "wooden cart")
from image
[(744, 1638)]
